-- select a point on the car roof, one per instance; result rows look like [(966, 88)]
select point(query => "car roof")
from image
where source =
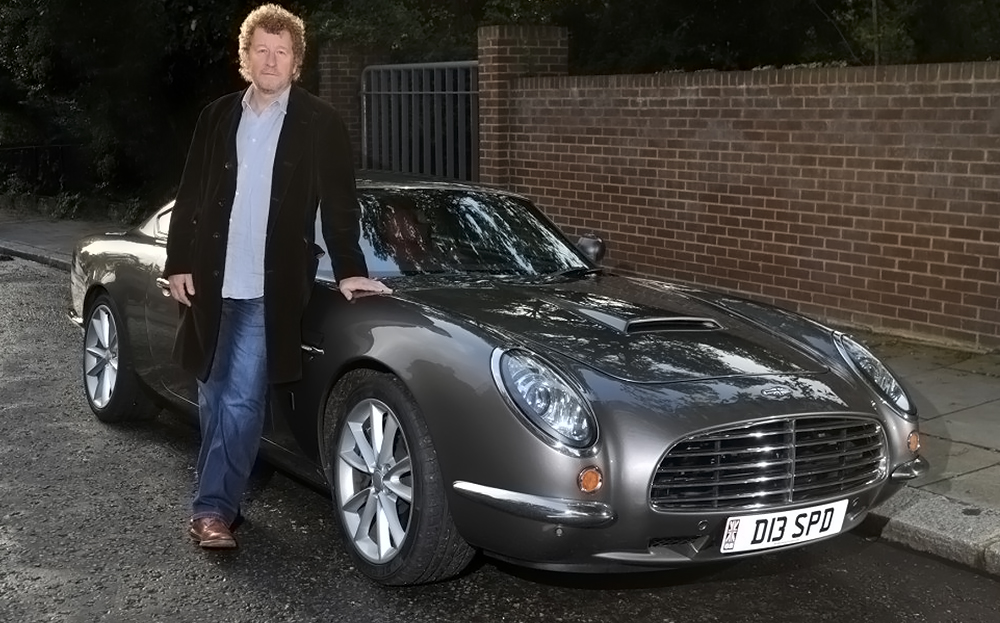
[(371, 180)]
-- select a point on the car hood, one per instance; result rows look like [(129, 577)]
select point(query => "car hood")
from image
[(634, 330)]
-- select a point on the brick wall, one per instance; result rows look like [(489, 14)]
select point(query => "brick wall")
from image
[(505, 54), (866, 196), (340, 69)]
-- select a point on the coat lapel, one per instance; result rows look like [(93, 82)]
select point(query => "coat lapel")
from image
[(291, 142), (227, 177)]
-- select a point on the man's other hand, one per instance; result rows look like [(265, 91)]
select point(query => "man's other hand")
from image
[(351, 285), (181, 287)]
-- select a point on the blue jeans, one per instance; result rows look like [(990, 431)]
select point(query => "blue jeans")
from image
[(232, 405)]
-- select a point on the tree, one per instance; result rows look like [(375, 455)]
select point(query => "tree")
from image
[(124, 83), (955, 31)]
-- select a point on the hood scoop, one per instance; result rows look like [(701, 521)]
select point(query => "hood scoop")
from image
[(650, 324)]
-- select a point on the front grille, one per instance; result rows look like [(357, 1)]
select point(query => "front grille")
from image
[(770, 463)]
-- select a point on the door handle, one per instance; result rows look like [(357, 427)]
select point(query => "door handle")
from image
[(312, 343), (164, 285)]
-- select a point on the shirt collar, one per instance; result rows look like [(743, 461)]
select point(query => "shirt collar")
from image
[(281, 102)]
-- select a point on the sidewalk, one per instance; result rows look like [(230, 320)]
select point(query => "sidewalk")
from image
[(952, 512)]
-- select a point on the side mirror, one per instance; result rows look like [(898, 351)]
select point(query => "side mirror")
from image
[(591, 245)]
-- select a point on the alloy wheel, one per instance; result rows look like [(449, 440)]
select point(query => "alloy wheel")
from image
[(374, 481), (100, 358)]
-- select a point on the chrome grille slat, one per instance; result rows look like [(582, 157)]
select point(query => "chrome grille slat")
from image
[(814, 426), (827, 455), (842, 483), (713, 468), (817, 472), (770, 463), (820, 442), (825, 486), (760, 450), (734, 481), (735, 435), (752, 497)]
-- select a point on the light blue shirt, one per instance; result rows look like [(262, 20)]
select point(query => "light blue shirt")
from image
[(256, 144)]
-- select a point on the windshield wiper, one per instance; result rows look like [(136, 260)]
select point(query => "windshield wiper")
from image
[(577, 272)]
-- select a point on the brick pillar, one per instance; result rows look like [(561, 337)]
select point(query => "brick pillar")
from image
[(507, 53), (340, 69)]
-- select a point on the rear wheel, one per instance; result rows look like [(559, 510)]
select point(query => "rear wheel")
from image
[(109, 381), (388, 495)]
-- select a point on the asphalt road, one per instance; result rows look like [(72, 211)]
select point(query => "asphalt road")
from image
[(93, 528)]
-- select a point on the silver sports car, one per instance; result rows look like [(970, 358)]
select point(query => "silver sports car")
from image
[(513, 398)]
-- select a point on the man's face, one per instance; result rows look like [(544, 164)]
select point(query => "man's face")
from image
[(271, 60)]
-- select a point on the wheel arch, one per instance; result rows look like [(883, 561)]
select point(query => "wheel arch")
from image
[(94, 291), (365, 363), (109, 288)]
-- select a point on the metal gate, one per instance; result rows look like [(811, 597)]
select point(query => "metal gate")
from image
[(421, 119)]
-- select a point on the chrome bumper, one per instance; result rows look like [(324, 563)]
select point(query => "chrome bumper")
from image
[(912, 469), (576, 513), (74, 317)]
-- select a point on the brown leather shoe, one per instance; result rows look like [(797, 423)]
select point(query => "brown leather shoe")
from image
[(212, 533)]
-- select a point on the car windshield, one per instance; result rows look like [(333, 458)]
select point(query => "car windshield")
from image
[(456, 231)]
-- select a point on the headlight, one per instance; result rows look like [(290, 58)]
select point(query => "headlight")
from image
[(875, 372), (548, 401)]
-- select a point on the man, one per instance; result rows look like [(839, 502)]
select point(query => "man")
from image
[(241, 257)]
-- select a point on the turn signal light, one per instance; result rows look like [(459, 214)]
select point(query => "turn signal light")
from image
[(590, 479), (913, 442)]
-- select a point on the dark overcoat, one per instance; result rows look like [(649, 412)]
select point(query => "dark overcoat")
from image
[(313, 168)]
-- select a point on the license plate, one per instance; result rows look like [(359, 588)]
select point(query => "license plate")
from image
[(752, 532)]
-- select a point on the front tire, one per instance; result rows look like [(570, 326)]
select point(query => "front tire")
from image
[(388, 495), (109, 380)]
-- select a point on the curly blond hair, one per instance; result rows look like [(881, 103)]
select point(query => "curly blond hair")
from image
[(273, 19)]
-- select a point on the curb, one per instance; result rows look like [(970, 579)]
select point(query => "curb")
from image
[(951, 529), (29, 253)]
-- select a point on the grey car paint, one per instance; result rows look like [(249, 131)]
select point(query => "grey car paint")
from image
[(657, 362)]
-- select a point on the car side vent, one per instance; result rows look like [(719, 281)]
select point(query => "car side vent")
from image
[(671, 323)]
